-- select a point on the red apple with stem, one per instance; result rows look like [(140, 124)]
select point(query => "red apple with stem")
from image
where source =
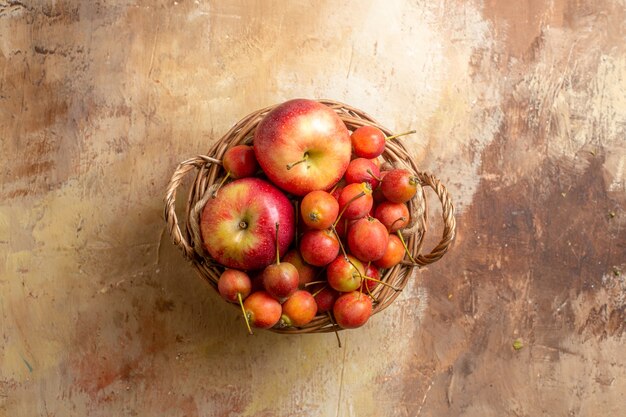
[(319, 247), (367, 239), (352, 310), (302, 145), (281, 279), (234, 286), (319, 209), (239, 162), (362, 170), (355, 201), (299, 309), (262, 310), (345, 273), (325, 298), (394, 216), (399, 185), (371, 271), (238, 225)]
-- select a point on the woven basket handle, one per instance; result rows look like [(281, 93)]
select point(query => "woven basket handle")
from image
[(449, 222), (170, 199)]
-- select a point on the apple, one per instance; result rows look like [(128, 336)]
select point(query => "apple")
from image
[(344, 274), (240, 161), (368, 142), (319, 247), (262, 310), (394, 253), (371, 271), (367, 239), (355, 201), (399, 185), (325, 298), (299, 309), (363, 170), (238, 225), (234, 286), (306, 272), (302, 146), (394, 216), (352, 310), (319, 209)]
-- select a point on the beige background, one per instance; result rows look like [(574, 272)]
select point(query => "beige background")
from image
[(520, 109)]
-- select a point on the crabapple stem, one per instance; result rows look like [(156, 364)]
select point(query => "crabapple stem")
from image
[(359, 195), (381, 282), (330, 317), (406, 249), (304, 158), (399, 219), (245, 316), (221, 183), (277, 247), (308, 284), (320, 290), (401, 134), (343, 250), (369, 171)]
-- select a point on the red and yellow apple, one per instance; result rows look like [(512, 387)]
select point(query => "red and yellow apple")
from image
[(238, 226), (302, 146)]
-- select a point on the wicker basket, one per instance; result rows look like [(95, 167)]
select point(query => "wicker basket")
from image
[(209, 172)]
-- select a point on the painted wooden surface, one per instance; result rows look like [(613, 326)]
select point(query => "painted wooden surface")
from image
[(521, 111)]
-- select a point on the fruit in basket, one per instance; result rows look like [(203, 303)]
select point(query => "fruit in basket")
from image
[(399, 185), (355, 201), (352, 309), (344, 274), (394, 253), (302, 145), (367, 239), (319, 209), (363, 170), (240, 161), (325, 298), (299, 309), (394, 216), (306, 272), (262, 310), (234, 286), (280, 279), (238, 225), (319, 247)]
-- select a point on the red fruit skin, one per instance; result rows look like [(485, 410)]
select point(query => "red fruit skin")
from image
[(394, 253), (299, 309), (233, 282), (325, 299), (352, 310), (391, 214), (377, 193), (371, 271), (306, 272), (262, 310), (259, 205), (368, 142), (357, 208), (319, 247), (297, 128), (399, 185), (343, 275), (319, 209), (357, 172), (281, 280), (367, 239), (240, 161)]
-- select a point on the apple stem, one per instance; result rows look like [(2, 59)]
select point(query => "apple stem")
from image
[(245, 316), (399, 219), (320, 290), (277, 247), (406, 249), (220, 184), (381, 282), (330, 317), (343, 250), (304, 158), (308, 284), (359, 195), (401, 134), (369, 171)]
